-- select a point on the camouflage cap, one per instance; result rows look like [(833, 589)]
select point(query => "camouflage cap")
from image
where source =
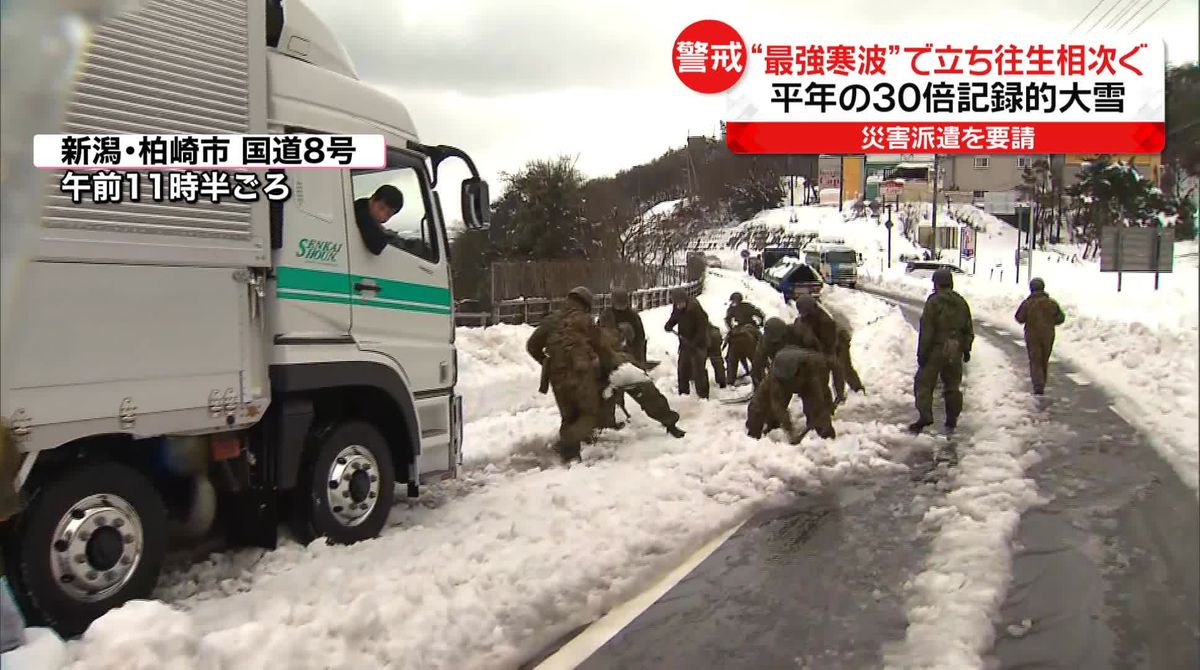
[(1037, 285), (583, 294), (943, 278), (735, 298)]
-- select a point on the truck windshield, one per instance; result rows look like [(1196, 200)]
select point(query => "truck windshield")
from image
[(841, 257)]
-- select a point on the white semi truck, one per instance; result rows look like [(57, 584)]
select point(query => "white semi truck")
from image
[(192, 370)]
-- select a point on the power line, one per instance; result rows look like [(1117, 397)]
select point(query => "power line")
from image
[(1104, 15), (1120, 15), (1151, 15), (1088, 15), (1133, 16)]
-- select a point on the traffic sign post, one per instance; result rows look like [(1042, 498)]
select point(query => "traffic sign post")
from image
[(889, 229)]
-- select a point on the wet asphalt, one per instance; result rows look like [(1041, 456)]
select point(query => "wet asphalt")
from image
[(1105, 575)]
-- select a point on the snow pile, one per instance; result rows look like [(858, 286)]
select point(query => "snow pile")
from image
[(485, 571), (625, 376), (492, 364), (142, 635), (43, 650), (967, 573)]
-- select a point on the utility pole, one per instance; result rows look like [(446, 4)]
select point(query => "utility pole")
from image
[(933, 221), (889, 229)]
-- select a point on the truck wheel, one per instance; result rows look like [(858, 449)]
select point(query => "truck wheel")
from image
[(351, 486), (90, 540)]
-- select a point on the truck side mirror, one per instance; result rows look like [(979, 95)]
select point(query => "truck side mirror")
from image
[(476, 206)]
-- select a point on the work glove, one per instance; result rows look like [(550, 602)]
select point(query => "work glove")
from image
[(667, 328), (966, 356)]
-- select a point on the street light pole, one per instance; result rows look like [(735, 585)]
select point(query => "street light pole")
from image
[(933, 221)]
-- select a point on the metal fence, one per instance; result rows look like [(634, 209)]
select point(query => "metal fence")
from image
[(529, 279), (533, 310)]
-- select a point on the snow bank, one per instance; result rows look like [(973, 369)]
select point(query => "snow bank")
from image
[(43, 650), (484, 571), (967, 573)]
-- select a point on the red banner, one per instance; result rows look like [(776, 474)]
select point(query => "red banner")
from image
[(789, 137)]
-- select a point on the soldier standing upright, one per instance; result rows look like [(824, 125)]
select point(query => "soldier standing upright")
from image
[(571, 349), (1040, 314), (693, 334), (943, 345)]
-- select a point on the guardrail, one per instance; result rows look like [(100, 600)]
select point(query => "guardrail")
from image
[(532, 310)]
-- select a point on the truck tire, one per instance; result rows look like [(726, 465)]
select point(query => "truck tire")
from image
[(347, 489), (90, 540)]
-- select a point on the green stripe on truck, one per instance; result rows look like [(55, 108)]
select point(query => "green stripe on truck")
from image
[(339, 283)]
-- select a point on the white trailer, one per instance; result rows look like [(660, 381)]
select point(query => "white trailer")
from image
[(186, 371)]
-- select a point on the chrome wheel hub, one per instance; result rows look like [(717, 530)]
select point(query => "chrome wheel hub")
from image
[(96, 547), (353, 485)]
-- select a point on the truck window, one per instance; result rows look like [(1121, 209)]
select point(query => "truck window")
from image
[(842, 257), (410, 227)]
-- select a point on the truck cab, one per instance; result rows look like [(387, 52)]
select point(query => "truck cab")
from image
[(837, 263), (184, 372)]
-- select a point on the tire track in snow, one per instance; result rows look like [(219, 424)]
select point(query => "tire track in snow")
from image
[(965, 580)]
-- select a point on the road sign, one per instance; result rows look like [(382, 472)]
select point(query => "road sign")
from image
[(967, 243), (891, 189), (1137, 249)]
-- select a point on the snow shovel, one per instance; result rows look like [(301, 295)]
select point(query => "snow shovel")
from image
[(738, 401)]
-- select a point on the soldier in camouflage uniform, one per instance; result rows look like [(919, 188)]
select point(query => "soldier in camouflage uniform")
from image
[(776, 335), (742, 313), (834, 336), (643, 391), (693, 341), (621, 313), (1040, 314), (743, 322), (714, 355), (944, 344), (794, 370), (574, 352)]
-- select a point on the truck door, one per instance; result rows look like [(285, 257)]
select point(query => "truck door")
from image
[(309, 241), (400, 297)]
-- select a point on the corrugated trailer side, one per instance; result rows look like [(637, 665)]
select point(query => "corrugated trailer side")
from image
[(144, 317)]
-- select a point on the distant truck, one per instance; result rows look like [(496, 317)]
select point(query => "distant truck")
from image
[(837, 263), (181, 370)]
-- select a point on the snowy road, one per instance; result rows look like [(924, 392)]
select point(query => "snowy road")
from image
[(1101, 576), (489, 570)]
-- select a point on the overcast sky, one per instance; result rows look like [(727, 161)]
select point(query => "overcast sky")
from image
[(514, 80)]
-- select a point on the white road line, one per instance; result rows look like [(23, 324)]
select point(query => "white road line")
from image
[(582, 646), (1079, 379)]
